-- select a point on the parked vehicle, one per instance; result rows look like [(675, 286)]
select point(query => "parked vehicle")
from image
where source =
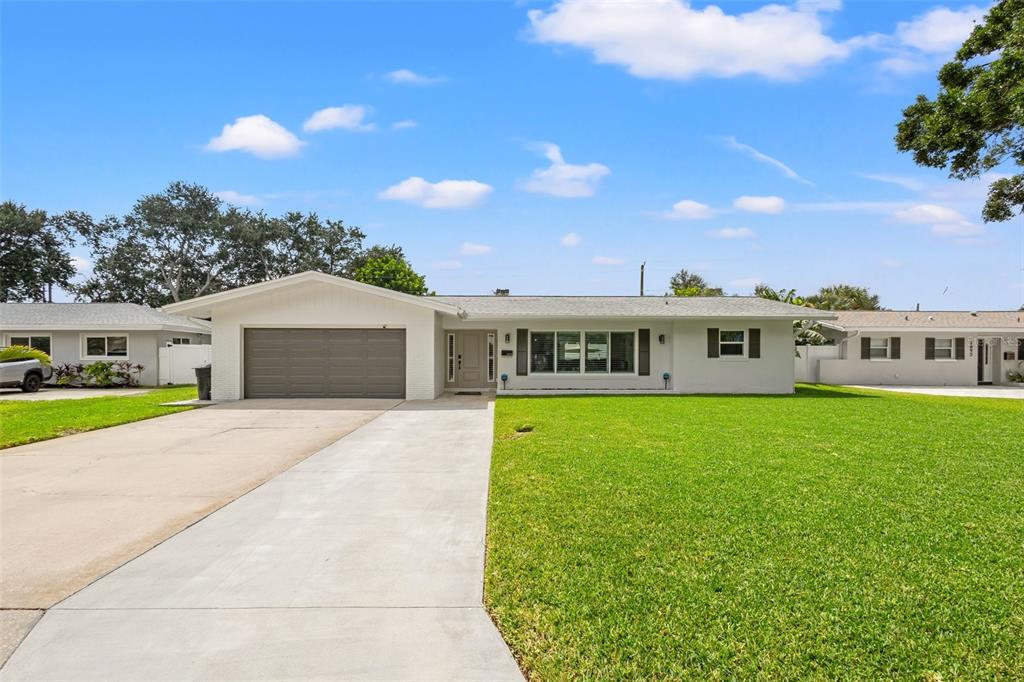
[(28, 375)]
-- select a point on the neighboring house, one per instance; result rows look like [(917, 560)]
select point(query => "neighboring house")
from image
[(315, 335), (922, 348), (87, 332)]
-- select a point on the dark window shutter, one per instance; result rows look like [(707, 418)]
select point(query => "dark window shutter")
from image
[(754, 350), (865, 348), (1020, 349), (894, 348), (958, 344), (929, 348), (522, 352), (644, 359), (713, 342)]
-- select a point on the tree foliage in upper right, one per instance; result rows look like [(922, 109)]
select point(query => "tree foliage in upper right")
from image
[(976, 121)]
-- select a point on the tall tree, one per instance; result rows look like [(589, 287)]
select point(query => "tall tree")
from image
[(844, 297), (686, 283), (806, 332), (326, 246), (976, 121), (392, 273), (34, 254)]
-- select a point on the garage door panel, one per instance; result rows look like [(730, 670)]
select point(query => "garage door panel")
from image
[(334, 363)]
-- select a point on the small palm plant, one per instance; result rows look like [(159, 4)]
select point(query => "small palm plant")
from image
[(14, 353), (806, 332)]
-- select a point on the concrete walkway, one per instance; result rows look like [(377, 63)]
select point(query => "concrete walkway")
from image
[(1012, 392), (364, 561), (46, 393)]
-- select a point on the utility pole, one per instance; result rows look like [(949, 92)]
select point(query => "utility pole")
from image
[(642, 266)]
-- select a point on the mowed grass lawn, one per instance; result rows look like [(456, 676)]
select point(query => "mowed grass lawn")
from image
[(28, 421), (833, 534)]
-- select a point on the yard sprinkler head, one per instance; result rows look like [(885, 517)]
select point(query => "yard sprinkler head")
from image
[(504, 381), (666, 376)]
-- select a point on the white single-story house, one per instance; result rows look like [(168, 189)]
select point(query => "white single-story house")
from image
[(921, 348), (81, 333), (316, 335)]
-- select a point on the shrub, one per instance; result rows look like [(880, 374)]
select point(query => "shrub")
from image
[(101, 374), (14, 353)]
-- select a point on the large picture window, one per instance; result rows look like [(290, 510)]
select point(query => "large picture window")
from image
[(106, 347), (731, 344), (38, 342), (572, 352), (943, 349)]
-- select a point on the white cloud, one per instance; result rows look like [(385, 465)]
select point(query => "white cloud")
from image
[(961, 229), (688, 209), (446, 265), (849, 206), (405, 125), (571, 239), (940, 29), (82, 265), (443, 194), (671, 39), (607, 260), (898, 180), (258, 135), (752, 204), (347, 117), (732, 233), (563, 179), (927, 213), (471, 249), (753, 153), (237, 198), (409, 77)]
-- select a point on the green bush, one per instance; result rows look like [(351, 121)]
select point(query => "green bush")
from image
[(13, 353)]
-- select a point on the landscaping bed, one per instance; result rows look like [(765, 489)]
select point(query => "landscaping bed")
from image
[(836, 533), (24, 421)]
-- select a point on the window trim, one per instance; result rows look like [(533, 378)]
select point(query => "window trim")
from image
[(83, 345), (30, 337), (583, 347), (181, 341), (952, 349), (745, 345), (888, 348)]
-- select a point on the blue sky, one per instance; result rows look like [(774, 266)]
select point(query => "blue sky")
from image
[(543, 147)]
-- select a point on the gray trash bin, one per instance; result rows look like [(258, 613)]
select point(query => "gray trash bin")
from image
[(203, 380)]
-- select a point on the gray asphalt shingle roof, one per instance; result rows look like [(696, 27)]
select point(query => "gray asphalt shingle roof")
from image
[(482, 307), (93, 316), (929, 319)]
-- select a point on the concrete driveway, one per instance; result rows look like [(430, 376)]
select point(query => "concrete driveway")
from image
[(1012, 392), (365, 561), (75, 508)]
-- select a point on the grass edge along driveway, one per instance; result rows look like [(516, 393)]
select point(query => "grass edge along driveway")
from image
[(29, 421), (835, 533)]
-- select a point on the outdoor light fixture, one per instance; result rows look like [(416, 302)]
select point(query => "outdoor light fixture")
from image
[(666, 376), (508, 338), (504, 377), (661, 339)]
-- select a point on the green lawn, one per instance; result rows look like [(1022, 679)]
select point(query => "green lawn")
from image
[(27, 421), (834, 534)]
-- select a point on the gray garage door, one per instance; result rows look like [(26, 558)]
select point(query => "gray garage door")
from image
[(324, 363)]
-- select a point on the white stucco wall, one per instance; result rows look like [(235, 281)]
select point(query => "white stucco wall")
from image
[(910, 370), (66, 347), (313, 305), (683, 355)]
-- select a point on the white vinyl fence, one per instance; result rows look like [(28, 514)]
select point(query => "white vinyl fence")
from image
[(178, 363), (806, 367)]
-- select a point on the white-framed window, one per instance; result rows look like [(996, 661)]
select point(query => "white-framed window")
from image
[(943, 349), (582, 352), (451, 358), (37, 341), (491, 344), (113, 346), (879, 348), (732, 343), (181, 341)]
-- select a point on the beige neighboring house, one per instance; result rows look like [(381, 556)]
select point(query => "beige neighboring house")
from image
[(316, 335), (80, 333), (921, 348)]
